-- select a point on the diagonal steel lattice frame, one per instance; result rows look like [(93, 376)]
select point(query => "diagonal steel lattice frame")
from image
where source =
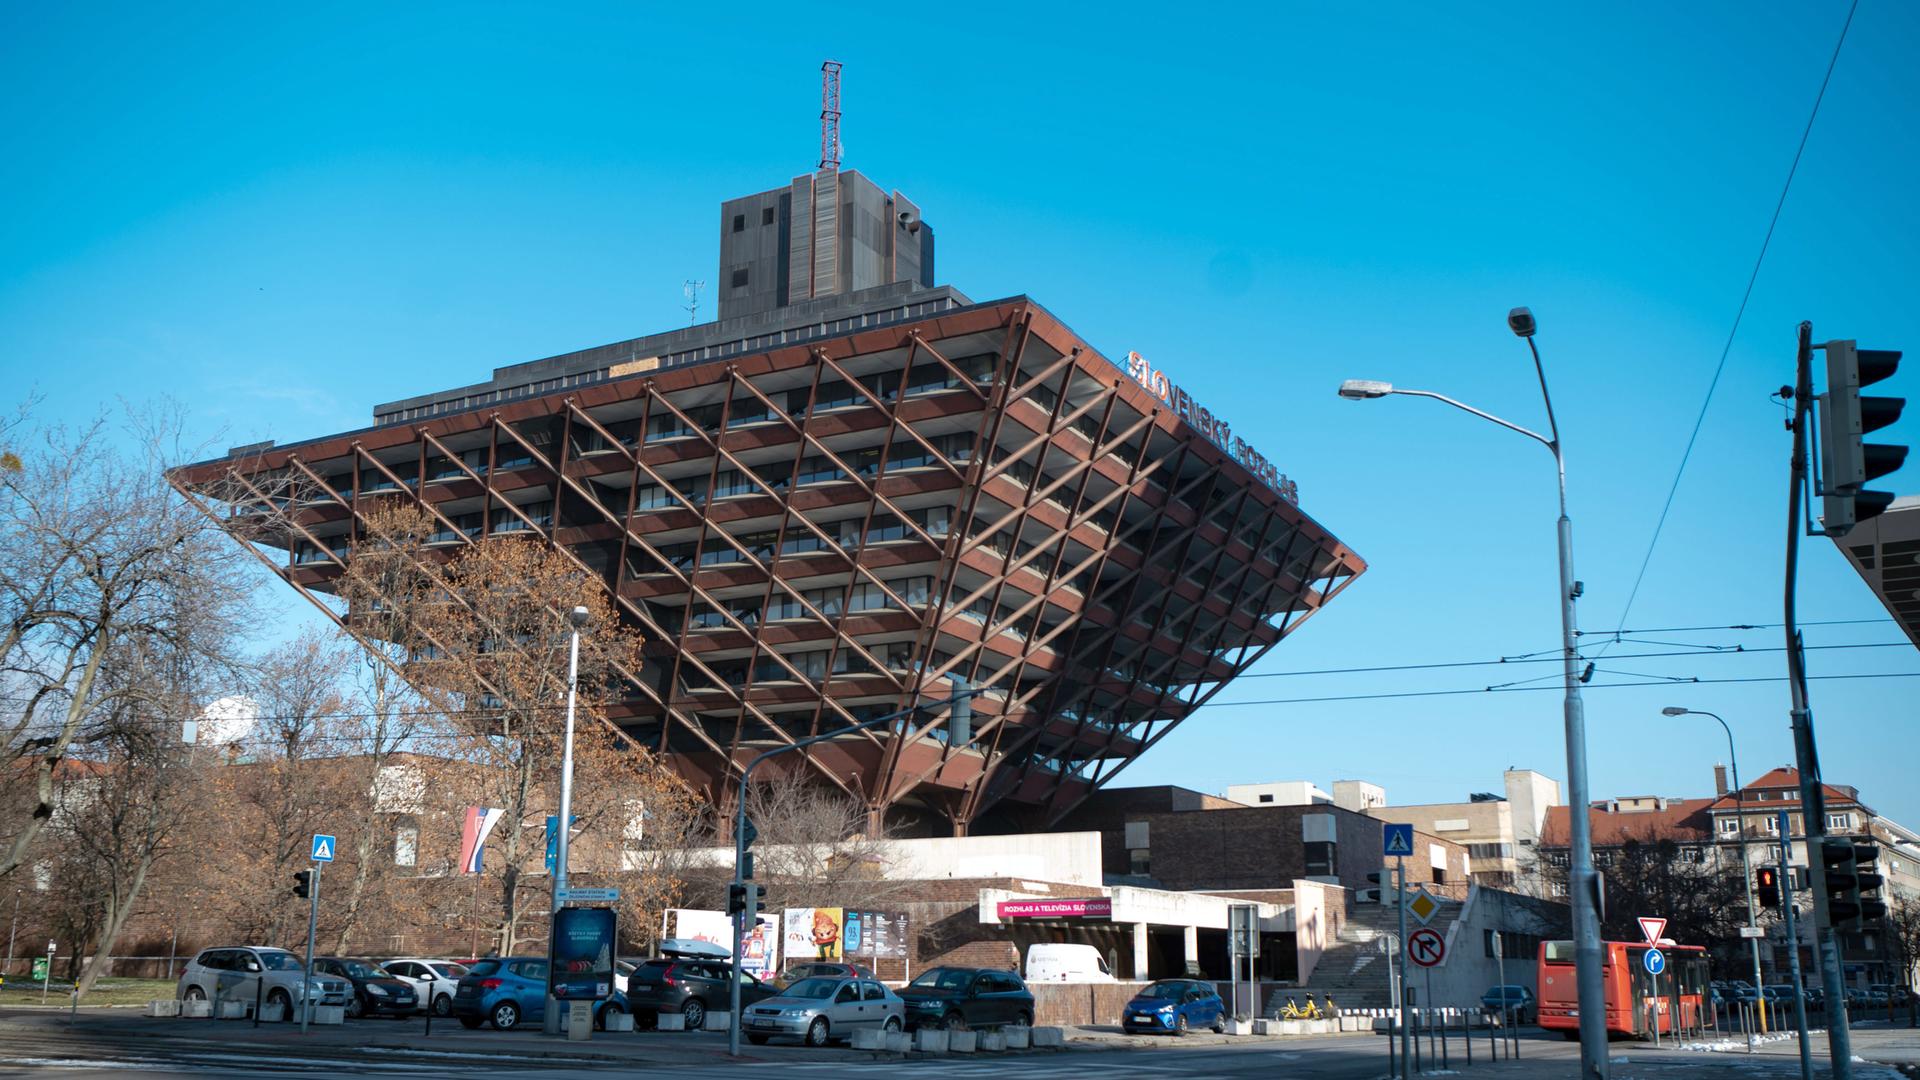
[(1164, 584)]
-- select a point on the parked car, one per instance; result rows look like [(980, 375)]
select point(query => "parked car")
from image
[(959, 998), (1174, 1005), (1515, 1001), (1898, 995), (690, 986), (251, 973), (1780, 994), (822, 969), (434, 981), (1062, 962), (374, 991), (821, 1009), (507, 991)]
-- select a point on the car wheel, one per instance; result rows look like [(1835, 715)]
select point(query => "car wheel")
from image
[(817, 1032), (194, 993), (471, 1022), (281, 1000), (355, 1008), (1025, 1020), (600, 1021), (443, 1005), (695, 1011), (892, 1024), (1180, 1024), (954, 1022), (506, 1016), (1220, 1024), (757, 1040)]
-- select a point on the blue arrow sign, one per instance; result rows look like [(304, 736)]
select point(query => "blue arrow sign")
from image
[(1655, 962), (322, 847), (1397, 841)]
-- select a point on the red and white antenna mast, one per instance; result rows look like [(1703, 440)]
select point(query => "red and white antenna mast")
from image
[(830, 115)]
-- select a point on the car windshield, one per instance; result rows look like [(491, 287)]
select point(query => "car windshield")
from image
[(943, 979), (812, 989), (486, 967), (360, 969), (1164, 991), (451, 971), (279, 961)]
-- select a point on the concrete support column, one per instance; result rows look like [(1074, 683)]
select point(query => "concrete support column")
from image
[(1140, 951), (1189, 948)]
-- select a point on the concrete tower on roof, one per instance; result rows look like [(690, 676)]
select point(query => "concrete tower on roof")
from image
[(826, 234)]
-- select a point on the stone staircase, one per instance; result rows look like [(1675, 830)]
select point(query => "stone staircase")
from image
[(1354, 969)]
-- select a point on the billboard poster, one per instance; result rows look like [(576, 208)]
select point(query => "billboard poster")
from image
[(761, 949), (813, 934), (580, 963), (874, 934)]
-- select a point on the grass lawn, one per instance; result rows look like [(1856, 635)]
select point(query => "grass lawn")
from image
[(20, 990)]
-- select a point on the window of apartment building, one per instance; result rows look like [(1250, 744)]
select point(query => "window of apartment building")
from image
[(1557, 858), (740, 278), (1841, 822), (1439, 875), (739, 223), (766, 215), (1729, 826), (1320, 855), (1138, 861), (1771, 824), (406, 846), (1693, 855)]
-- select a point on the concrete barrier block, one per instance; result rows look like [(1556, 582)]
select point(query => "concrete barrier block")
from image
[(673, 1021), (329, 1014), (993, 1042), (898, 1042), (1320, 1027), (199, 1010), (1049, 1038), (235, 1010), (1237, 1026), (930, 1040), (1019, 1038), (273, 1013), (163, 1007), (718, 1021), (619, 1021), (869, 1039), (962, 1042), (1263, 1026)]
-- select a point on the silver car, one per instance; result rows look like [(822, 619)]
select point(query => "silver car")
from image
[(271, 977), (820, 1010)]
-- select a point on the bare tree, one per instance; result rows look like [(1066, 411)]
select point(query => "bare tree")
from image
[(814, 847), (98, 557)]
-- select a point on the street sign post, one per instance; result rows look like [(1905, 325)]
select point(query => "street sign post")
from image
[(1655, 962), (322, 854), (46, 969), (1753, 931), (1653, 928), (1426, 947)]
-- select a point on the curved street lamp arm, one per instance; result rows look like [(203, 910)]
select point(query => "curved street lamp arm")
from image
[(1464, 407)]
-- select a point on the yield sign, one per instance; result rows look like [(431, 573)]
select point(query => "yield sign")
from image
[(1426, 947), (1652, 928)]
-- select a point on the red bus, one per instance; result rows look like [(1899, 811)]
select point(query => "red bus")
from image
[(1633, 1005)]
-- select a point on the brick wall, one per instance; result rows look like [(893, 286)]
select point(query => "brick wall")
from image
[(1080, 1004)]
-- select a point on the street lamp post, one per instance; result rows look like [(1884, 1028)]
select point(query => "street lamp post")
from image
[(1583, 885), (1746, 870), (550, 1023)]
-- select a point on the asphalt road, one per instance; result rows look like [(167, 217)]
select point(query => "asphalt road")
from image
[(105, 1044)]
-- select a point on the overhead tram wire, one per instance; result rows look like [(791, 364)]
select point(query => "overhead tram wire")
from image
[(1740, 313)]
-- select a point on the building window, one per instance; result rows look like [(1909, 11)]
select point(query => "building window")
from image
[(406, 846), (1692, 855), (1138, 861), (739, 223), (740, 278), (766, 216), (1839, 822), (1729, 826), (1557, 858), (1319, 855), (1772, 824), (1439, 875), (1266, 798)]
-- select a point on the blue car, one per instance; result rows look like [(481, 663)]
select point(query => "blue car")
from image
[(1174, 1006), (507, 991)]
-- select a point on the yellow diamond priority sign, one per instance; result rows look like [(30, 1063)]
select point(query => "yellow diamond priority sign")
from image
[(1421, 905)]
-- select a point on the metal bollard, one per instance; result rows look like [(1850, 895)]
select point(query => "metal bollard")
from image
[(1443, 1038), (1392, 1062), (1466, 1035)]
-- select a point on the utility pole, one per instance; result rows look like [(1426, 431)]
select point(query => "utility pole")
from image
[(576, 618), (1793, 950), (306, 971)]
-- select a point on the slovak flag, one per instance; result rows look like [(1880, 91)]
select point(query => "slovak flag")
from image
[(473, 836)]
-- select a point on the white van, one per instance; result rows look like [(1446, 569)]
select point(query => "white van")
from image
[(1057, 963)]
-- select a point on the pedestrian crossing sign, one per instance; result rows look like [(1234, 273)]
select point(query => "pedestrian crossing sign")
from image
[(1398, 841), (322, 847)]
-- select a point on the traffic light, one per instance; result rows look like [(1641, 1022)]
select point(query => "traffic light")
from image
[(737, 896), (1847, 463), (303, 884), (1843, 889), (1766, 883), (1867, 879)]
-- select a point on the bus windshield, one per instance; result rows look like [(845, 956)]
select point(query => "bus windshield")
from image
[(1559, 952)]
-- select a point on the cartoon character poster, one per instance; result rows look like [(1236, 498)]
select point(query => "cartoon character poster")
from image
[(813, 934)]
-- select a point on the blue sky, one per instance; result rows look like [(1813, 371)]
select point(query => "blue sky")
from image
[(283, 217)]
